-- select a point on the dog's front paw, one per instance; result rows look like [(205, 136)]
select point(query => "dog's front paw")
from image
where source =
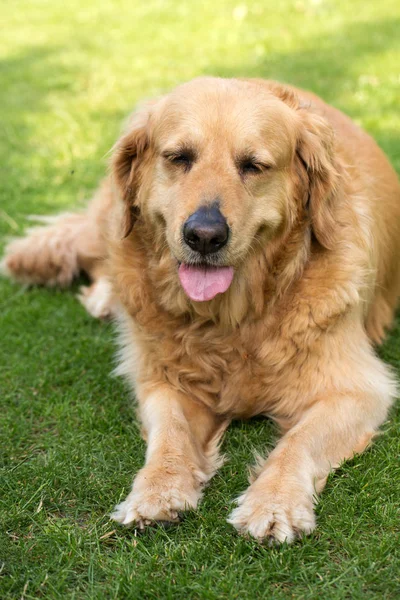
[(278, 514), (158, 495)]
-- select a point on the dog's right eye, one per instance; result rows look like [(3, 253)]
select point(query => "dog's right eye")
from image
[(183, 159)]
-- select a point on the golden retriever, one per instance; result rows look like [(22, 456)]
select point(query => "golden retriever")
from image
[(248, 242)]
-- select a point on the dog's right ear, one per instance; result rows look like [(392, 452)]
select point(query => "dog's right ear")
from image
[(128, 156)]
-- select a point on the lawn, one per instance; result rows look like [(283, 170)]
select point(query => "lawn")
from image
[(69, 73)]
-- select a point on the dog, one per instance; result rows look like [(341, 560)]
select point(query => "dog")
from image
[(247, 241)]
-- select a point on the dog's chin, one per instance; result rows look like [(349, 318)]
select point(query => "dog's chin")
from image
[(202, 281)]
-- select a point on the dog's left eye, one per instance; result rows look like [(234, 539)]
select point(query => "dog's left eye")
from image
[(249, 166)]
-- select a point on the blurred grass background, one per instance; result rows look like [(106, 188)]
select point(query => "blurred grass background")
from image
[(69, 73)]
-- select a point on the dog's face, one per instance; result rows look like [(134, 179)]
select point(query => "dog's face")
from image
[(214, 165)]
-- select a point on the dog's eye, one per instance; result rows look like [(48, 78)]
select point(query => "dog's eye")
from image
[(183, 159), (249, 166)]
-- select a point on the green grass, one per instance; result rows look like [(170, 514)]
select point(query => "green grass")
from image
[(69, 73)]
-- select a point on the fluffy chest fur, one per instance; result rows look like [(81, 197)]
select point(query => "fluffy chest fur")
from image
[(240, 370)]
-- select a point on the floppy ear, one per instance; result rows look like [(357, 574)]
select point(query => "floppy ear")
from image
[(129, 154), (316, 152)]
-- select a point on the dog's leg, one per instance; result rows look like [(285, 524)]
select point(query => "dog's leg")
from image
[(55, 253), (182, 455), (278, 505), (47, 255)]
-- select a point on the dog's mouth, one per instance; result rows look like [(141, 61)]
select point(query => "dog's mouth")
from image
[(203, 282)]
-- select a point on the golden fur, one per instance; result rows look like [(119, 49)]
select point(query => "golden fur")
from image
[(315, 246)]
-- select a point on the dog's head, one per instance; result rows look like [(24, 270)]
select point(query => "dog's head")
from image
[(220, 167)]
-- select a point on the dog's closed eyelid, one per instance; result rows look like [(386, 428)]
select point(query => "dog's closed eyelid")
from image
[(251, 164), (182, 158), (179, 151)]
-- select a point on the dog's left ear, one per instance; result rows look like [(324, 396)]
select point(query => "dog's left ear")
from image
[(129, 154), (316, 153)]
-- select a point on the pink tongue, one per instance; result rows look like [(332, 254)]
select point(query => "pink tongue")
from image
[(203, 283)]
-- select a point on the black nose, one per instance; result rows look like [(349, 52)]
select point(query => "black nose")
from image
[(206, 230)]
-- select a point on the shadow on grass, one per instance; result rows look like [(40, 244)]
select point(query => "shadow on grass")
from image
[(37, 84), (327, 64)]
